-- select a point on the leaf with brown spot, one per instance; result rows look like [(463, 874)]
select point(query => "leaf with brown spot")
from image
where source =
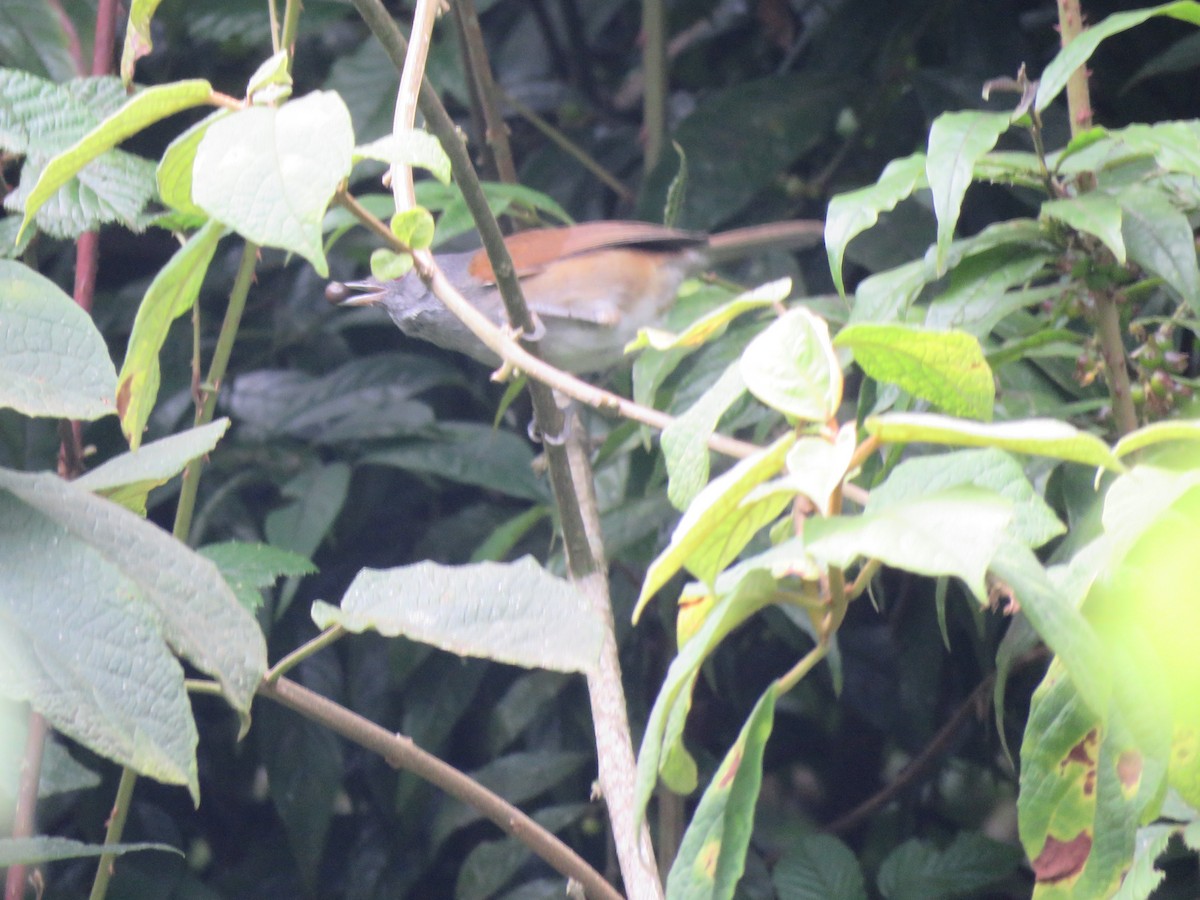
[(1062, 859)]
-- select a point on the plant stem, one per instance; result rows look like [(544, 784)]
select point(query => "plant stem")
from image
[(116, 826), (401, 753), (216, 373), (25, 814), (654, 67), (320, 642)]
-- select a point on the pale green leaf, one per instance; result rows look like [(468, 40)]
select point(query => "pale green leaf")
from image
[(515, 613), (34, 850), (411, 147), (854, 212), (1042, 437), (1092, 213), (951, 532), (138, 40), (712, 856), (171, 294), (792, 367), (956, 142), (1157, 433), (685, 440), (709, 513), (1159, 238), (817, 466), (270, 173), (143, 109), (53, 361), (128, 478)]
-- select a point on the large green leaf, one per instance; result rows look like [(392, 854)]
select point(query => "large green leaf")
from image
[(685, 440), (269, 173), (1159, 238), (819, 867), (53, 361), (513, 612), (917, 871), (949, 532)]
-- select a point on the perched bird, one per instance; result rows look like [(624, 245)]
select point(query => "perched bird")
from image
[(592, 286)]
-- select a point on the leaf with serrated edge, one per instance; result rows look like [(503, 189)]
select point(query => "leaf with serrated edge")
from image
[(1042, 437), (53, 361), (515, 613), (792, 368), (956, 141), (269, 173), (947, 368), (172, 293), (77, 643), (144, 108), (128, 478), (852, 213), (197, 613), (818, 867), (707, 513)]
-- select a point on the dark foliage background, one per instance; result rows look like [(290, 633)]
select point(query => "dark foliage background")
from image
[(778, 105)]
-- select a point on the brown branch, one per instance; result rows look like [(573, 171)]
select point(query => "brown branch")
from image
[(400, 752)]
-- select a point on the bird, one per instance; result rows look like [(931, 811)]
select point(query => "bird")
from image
[(592, 285)]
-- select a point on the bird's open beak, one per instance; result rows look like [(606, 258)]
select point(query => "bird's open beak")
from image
[(354, 293)]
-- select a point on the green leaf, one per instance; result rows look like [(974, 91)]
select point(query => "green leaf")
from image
[(918, 871), (271, 82), (1157, 433), (175, 170), (676, 190), (1159, 239), (956, 142), (1085, 785), (950, 532), (979, 294), (712, 856), (33, 39), (143, 109), (128, 478), (1143, 876), (269, 173), (53, 361), (388, 265), (946, 368), (171, 294), (138, 40), (90, 659), (817, 466), (248, 568), (414, 228), (1078, 52), (492, 864), (1092, 213), (513, 612), (33, 850), (713, 323), (196, 612), (852, 213), (819, 867), (1034, 523), (411, 147), (317, 494), (710, 522), (662, 747), (1043, 437), (685, 440), (791, 367), (1054, 614)]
